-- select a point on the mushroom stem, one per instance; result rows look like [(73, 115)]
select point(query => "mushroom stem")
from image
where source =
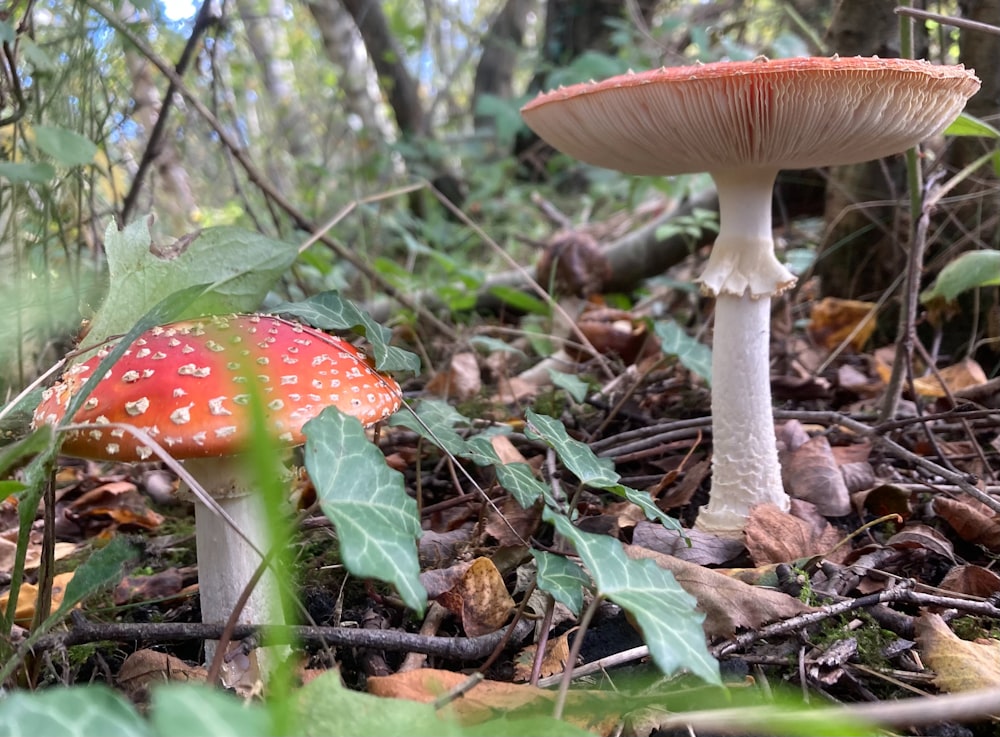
[(743, 273), (743, 255), (226, 561), (745, 469)]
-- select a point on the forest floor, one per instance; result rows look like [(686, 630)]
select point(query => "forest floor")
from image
[(878, 584)]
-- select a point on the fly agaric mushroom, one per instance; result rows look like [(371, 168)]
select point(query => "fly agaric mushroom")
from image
[(187, 385), (741, 122)]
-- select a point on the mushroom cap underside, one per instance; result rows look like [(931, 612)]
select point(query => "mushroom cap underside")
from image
[(188, 385), (778, 114)]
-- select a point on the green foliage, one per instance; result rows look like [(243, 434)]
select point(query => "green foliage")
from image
[(562, 578), (101, 569), (238, 268), (667, 615), (67, 147), (693, 355), (968, 271), (376, 520), (71, 712), (330, 311)]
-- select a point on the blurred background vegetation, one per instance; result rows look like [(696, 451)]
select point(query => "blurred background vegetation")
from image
[(282, 117)]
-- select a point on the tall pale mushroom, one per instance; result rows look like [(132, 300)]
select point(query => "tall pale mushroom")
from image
[(188, 386), (742, 122)]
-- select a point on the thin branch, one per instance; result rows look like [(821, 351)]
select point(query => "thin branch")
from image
[(83, 631)]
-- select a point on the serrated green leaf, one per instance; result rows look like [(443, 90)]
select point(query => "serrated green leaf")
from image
[(694, 356), (240, 266), (67, 147), (576, 456), (562, 578), (330, 311), (36, 172), (667, 615), (324, 707), (376, 520), (967, 125), (573, 385), (70, 712), (182, 709), (434, 420), (970, 270)]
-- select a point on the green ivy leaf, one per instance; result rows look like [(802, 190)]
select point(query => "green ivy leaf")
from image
[(562, 578), (644, 501), (182, 709), (376, 520), (571, 384), (330, 311), (694, 356), (667, 615), (435, 420), (70, 712), (577, 457), (67, 147), (325, 707)]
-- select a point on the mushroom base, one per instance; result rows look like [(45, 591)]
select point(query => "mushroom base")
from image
[(226, 561), (745, 468)]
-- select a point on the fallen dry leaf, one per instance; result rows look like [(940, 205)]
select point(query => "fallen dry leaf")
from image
[(958, 376), (118, 502), (144, 668), (554, 658), (33, 558), (149, 589), (811, 472), (28, 596), (573, 263), (773, 536), (692, 545), (461, 380), (833, 321), (729, 604), (959, 665), (883, 500), (971, 580), (479, 597), (972, 521), (484, 701)]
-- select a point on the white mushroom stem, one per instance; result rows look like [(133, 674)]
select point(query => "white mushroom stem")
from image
[(226, 561), (743, 273)]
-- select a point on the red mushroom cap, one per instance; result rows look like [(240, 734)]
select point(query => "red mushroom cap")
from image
[(186, 385)]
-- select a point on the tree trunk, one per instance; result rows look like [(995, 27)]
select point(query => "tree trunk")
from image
[(980, 51), (863, 250), (357, 77), (387, 56), (501, 45)]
